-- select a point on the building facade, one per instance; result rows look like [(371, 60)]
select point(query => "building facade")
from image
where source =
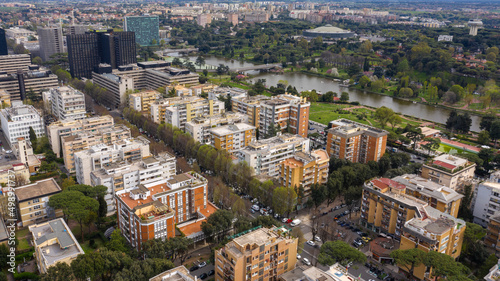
[(284, 112), (232, 137), (486, 202), (32, 201), (51, 41), (116, 86), (199, 127), (3, 43), (146, 29), (265, 156), (355, 142), (249, 106), (449, 170), (83, 54), (21, 83), (190, 107), (142, 101), (67, 103), (12, 63), (17, 121), (262, 254)]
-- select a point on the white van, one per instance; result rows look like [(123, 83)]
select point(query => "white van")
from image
[(295, 222), (256, 207)]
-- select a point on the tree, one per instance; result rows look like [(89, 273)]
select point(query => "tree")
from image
[(408, 259), (318, 194), (67, 182), (37, 60), (284, 200), (484, 137), (117, 242), (353, 69), (59, 272), (32, 136), (271, 131), (177, 62), (431, 145), (486, 266), (217, 224), (414, 134), (379, 72), (383, 115), (495, 131), (200, 61), (363, 81), (344, 97), (444, 266), (297, 232), (339, 251)]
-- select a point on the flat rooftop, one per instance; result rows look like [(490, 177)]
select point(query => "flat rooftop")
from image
[(195, 226), (231, 129), (429, 188), (260, 237), (179, 273), (449, 161), (36, 190)]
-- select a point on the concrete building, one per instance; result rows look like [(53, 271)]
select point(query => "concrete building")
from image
[(12, 63), (304, 169), (24, 153), (54, 242), (233, 18), (4, 50), (4, 98), (199, 127), (449, 170), (232, 137), (66, 103), (17, 121), (51, 41), (180, 273), (142, 101), (249, 106), (436, 231), (265, 156), (257, 17), (81, 141), (101, 155), (77, 29), (204, 19), (386, 204), (283, 111), (492, 239), (35, 80), (117, 87), (151, 211), (215, 93), (19, 170), (355, 142), (32, 202), (63, 128), (494, 273), (127, 176), (328, 32), (190, 107), (261, 254), (335, 272), (486, 201)]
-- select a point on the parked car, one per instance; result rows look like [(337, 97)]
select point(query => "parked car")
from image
[(255, 207), (295, 222), (317, 239), (193, 268), (203, 276), (211, 272), (284, 220), (306, 261), (289, 220), (311, 243), (202, 264), (298, 257)]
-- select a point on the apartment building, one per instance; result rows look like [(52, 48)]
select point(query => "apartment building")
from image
[(32, 201), (215, 93), (261, 254), (54, 243), (152, 210), (63, 128), (83, 140), (12, 63), (190, 107), (117, 87), (304, 169), (23, 151), (204, 19), (494, 273), (142, 101), (249, 106), (355, 142), (492, 239), (20, 172), (199, 127), (66, 103), (449, 170), (100, 155), (436, 231), (180, 273), (386, 204), (486, 200), (127, 176), (265, 156), (50, 40), (158, 109), (17, 121), (232, 137), (284, 112), (35, 79)]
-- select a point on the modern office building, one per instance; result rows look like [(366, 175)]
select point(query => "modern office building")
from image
[(12, 63), (67, 103), (83, 140), (261, 254), (142, 101), (4, 50), (355, 142), (54, 243), (265, 155), (32, 202), (449, 170), (101, 155), (87, 51), (21, 83), (63, 128), (199, 127), (17, 121), (188, 108), (436, 231), (51, 41), (304, 169), (284, 112), (386, 204), (232, 137), (249, 106), (152, 211), (146, 29), (128, 176), (77, 29)]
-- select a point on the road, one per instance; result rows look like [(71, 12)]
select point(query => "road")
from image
[(202, 270)]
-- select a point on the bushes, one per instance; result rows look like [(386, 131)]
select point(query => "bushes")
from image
[(26, 276)]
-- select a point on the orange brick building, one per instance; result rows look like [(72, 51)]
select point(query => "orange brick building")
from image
[(152, 211), (283, 111), (355, 142)]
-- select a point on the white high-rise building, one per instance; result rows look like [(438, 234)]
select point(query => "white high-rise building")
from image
[(17, 120), (66, 103)]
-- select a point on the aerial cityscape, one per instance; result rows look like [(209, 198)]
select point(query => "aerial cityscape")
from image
[(262, 140)]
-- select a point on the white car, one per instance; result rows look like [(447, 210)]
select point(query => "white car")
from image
[(284, 220), (298, 257), (8, 151), (306, 261), (256, 207), (317, 239), (202, 264), (311, 243)]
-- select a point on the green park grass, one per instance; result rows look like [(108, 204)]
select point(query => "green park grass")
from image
[(447, 148)]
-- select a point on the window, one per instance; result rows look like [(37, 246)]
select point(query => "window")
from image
[(36, 200)]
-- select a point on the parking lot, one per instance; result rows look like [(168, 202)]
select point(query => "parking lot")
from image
[(6, 154)]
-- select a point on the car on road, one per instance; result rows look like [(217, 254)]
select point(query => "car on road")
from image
[(193, 268), (298, 257), (295, 222), (202, 264), (289, 220), (203, 276), (211, 272), (317, 239), (357, 243), (311, 243), (284, 220), (306, 261), (256, 207), (8, 151)]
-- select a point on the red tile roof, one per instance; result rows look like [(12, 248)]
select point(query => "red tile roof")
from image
[(444, 165)]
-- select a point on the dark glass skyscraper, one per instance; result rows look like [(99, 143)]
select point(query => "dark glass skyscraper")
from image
[(146, 28), (86, 51), (3, 43)]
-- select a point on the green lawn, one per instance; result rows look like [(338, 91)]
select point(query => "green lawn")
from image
[(20, 235), (447, 148)]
